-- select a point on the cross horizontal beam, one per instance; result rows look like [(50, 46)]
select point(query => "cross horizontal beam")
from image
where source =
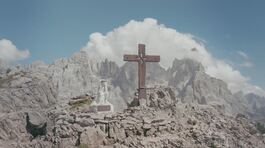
[(136, 58), (127, 57), (150, 58)]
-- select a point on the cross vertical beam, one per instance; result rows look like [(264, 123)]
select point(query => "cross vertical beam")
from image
[(141, 72), (141, 58)]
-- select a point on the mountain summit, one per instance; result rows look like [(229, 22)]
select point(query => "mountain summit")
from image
[(182, 94)]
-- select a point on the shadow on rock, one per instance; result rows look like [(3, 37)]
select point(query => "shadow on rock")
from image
[(36, 124)]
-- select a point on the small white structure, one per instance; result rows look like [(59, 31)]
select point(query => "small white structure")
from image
[(101, 104)]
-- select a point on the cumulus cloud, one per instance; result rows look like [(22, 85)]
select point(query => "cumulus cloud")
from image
[(166, 42), (10, 53)]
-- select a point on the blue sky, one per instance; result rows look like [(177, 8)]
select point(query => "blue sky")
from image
[(57, 28)]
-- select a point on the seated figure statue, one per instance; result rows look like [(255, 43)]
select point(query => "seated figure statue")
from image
[(101, 97), (102, 100)]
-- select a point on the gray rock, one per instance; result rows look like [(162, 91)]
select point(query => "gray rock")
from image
[(92, 138), (84, 122)]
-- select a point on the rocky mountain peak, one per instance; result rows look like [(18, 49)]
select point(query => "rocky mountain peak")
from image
[(182, 71), (187, 65), (108, 69)]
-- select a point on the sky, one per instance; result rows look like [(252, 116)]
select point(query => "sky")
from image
[(232, 31)]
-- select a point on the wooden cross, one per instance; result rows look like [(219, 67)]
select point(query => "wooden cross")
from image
[(141, 58)]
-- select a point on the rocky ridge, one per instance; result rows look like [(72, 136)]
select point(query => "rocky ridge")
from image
[(164, 122)]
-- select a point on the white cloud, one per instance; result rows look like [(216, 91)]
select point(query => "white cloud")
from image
[(246, 64), (10, 53), (243, 55), (246, 60), (166, 42)]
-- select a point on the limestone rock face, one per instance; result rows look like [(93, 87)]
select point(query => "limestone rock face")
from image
[(22, 92), (192, 85), (256, 106), (79, 75), (108, 69), (74, 76), (182, 72), (256, 102), (204, 89)]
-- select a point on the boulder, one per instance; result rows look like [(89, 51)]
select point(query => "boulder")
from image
[(92, 138)]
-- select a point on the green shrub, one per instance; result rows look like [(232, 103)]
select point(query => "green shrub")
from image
[(213, 146)]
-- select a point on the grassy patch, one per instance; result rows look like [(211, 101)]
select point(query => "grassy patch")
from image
[(80, 102), (83, 146)]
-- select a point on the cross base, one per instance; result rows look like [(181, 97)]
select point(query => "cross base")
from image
[(142, 93), (142, 102)]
